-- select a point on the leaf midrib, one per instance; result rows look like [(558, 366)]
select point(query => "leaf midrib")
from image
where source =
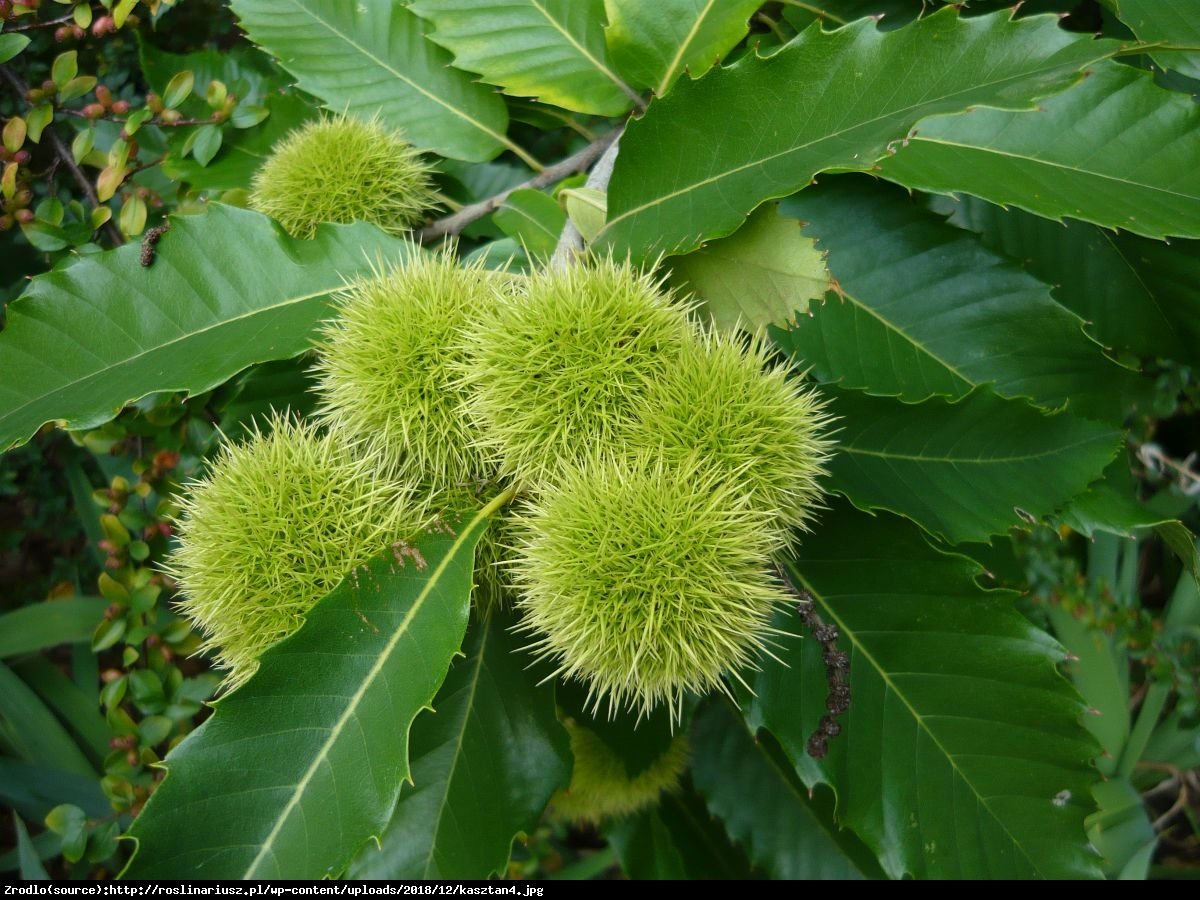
[(909, 338), (994, 460), (1050, 164), (917, 717), (372, 674), (584, 52), (673, 65)]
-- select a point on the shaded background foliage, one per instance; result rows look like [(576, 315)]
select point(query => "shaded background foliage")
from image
[(1018, 401)]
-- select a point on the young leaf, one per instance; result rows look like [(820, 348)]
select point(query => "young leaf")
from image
[(373, 58), (762, 807), (1136, 294), (1116, 149), (485, 761), (318, 738), (961, 755), (72, 704), (765, 273), (829, 100), (965, 470), (228, 290), (549, 49), (923, 310), (653, 44)]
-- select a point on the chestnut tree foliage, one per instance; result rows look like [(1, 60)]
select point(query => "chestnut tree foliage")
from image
[(973, 230)]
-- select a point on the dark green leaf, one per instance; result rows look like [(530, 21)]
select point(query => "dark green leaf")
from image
[(961, 755), (765, 273), (38, 735), (318, 736), (485, 762), (924, 310), (45, 845), (146, 688), (263, 390), (228, 290), (482, 180), (533, 219), (372, 59), (763, 809), (102, 842), (33, 790), (1116, 150), (1135, 294), (646, 848), (1172, 23), (678, 839), (77, 707), (834, 100), (652, 44), (965, 470), (48, 624), (31, 867)]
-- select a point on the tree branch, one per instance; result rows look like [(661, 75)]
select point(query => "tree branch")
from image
[(570, 242), (44, 23), (121, 120), (577, 162), (68, 160)]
